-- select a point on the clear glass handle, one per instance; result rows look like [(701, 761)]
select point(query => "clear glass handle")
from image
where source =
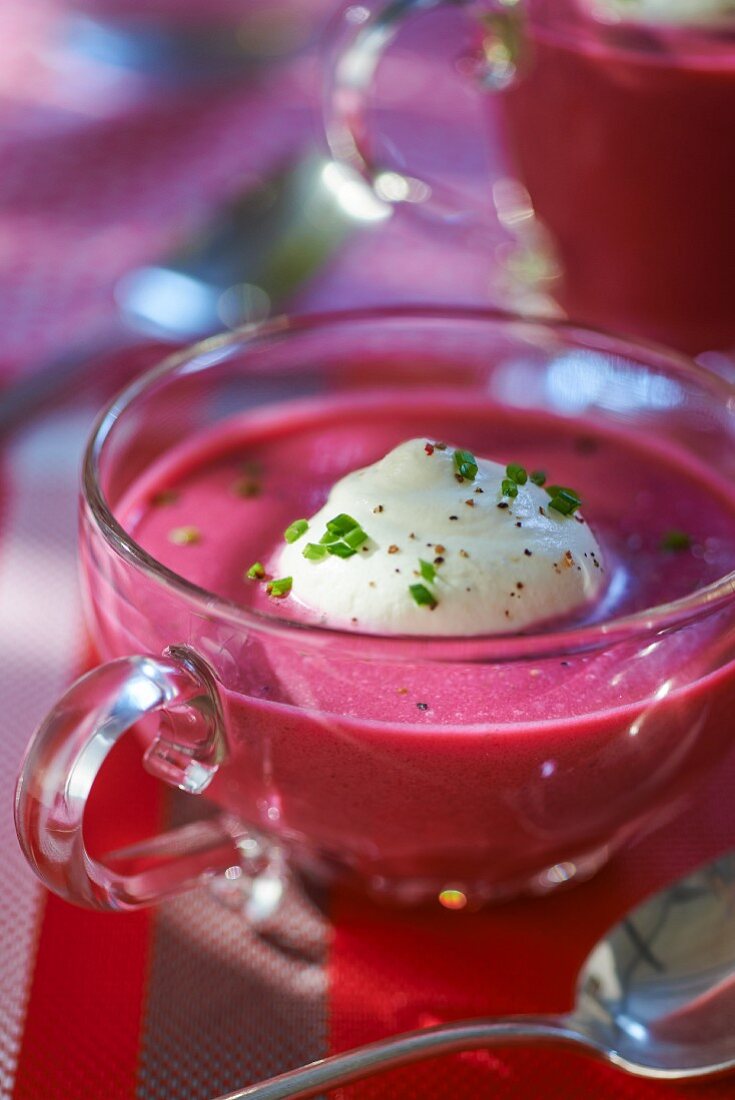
[(65, 757), (365, 31)]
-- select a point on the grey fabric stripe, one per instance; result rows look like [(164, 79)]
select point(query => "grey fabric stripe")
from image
[(227, 1006)]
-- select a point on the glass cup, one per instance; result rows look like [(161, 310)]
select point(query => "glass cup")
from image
[(462, 768), (617, 132)]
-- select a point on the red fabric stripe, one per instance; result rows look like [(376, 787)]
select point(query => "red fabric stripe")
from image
[(395, 971), (82, 1032)]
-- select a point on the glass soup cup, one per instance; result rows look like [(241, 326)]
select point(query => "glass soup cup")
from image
[(459, 768), (620, 166)]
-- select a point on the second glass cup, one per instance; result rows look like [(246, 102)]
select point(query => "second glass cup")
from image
[(617, 120)]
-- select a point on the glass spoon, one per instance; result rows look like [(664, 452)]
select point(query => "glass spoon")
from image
[(655, 997)]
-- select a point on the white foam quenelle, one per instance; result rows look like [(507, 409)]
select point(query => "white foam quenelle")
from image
[(432, 540)]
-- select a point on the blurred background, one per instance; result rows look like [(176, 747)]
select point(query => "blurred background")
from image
[(165, 175)]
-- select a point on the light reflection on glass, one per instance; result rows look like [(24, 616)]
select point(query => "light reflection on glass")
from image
[(560, 872), (159, 301), (353, 194), (357, 14), (394, 187), (577, 380), (512, 202), (453, 898), (243, 304), (664, 689)]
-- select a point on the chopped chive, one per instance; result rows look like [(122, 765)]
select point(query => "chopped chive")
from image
[(564, 504), (343, 537), (676, 540), (509, 488), (295, 530), (466, 464), (256, 572), (516, 473), (341, 524), (563, 500), (246, 487), (165, 496), (422, 596), (355, 538), (427, 570), (340, 550), (184, 536), (538, 477), (280, 587), (314, 551)]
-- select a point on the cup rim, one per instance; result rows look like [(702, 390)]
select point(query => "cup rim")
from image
[(646, 622), (690, 33)]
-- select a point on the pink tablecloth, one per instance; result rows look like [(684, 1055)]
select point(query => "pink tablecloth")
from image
[(186, 1001)]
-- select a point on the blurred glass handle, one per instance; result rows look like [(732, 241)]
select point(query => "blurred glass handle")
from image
[(526, 267), (365, 31)]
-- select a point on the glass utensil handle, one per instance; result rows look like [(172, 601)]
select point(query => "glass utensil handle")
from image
[(365, 31), (67, 752)]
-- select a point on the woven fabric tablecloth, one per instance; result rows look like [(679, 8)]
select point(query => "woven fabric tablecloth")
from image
[(185, 1001)]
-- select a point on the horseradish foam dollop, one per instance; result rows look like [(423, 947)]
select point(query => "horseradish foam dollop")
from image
[(432, 540)]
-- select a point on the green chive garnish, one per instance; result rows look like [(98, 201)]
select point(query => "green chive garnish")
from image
[(516, 473), (256, 572), (295, 530), (355, 538), (314, 551), (466, 464), (246, 487), (340, 550), (563, 500), (165, 496), (422, 596), (509, 488), (676, 540), (341, 524), (427, 570), (280, 587), (185, 536), (538, 477), (343, 537)]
